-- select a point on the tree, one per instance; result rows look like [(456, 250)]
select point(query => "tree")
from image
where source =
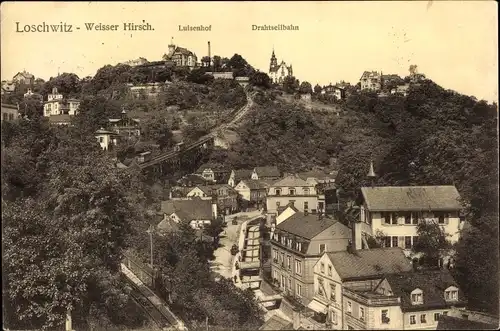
[(217, 63), (290, 84), (215, 228), (67, 84), (317, 89), (95, 112), (205, 61), (260, 79), (432, 241), (158, 130), (199, 76), (65, 231), (305, 88)]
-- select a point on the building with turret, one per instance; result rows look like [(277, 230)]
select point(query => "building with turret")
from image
[(278, 72), (182, 57)]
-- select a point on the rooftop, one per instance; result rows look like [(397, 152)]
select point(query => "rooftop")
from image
[(370, 263), (188, 210), (455, 323), (432, 283), (411, 198), (309, 226), (256, 184), (268, 171), (291, 180)]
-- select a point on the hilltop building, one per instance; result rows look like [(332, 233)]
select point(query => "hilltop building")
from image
[(182, 57), (278, 72)]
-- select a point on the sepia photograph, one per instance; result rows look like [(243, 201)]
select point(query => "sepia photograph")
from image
[(249, 165)]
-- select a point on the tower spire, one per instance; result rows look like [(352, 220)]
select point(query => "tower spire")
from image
[(371, 173)]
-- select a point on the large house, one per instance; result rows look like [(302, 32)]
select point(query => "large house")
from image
[(106, 138), (337, 91), (214, 173), (9, 112), (393, 213), (125, 126), (238, 175), (377, 289), (296, 191), (196, 212), (8, 87), (252, 192), (182, 57), (227, 197), (57, 105), (23, 78), (137, 62), (371, 80), (339, 276), (297, 243), (278, 72)]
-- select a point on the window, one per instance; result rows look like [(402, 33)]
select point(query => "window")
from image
[(101, 139), (394, 218), (298, 290), (451, 295), (423, 318), (277, 204), (407, 218), (275, 255), (282, 257), (333, 292), (417, 297), (441, 217), (320, 286), (407, 242), (362, 313), (330, 272), (387, 218), (291, 191), (322, 268), (11, 117), (289, 262), (321, 206), (349, 307), (413, 319), (322, 248), (387, 241), (298, 267), (275, 275), (282, 281), (278, 191), (445, 313), (394, 241), (299, 247), (291, 202), (306, 190), (436, 316), (333, 317), (306, 206), (415, 218), (289, 243), (385, 316), (290, 284)]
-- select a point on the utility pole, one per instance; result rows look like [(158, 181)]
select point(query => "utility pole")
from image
[(150, 231)]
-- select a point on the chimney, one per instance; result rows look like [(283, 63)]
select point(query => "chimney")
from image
[(209, 55), (214, 206)]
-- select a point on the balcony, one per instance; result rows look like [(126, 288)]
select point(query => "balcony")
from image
[(377, 300)]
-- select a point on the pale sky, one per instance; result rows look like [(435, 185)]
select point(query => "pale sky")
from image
[(453, 42)]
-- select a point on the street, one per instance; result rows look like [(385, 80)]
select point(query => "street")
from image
[(223, 263)]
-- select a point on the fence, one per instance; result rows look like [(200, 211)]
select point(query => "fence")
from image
[(144, 272)]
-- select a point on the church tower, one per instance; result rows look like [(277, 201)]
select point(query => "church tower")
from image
[(274, 62)]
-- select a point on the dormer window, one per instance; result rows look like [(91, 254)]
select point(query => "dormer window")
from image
[(417, 297), (291, 190), (278, 191), (451, 294)]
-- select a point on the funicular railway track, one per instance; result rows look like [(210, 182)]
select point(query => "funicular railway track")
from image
[(154, 313), (237, 116)]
